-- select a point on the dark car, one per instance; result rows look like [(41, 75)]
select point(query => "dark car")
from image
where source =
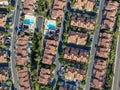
[(18, 7), (95, 45)]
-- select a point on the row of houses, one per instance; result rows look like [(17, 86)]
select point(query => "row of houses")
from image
[(84, 4), (21, 62), (99, 73), (100, 65), (22, 53), (109, 15), (4, 65), (28, 11), (104, 46), (49, 52), (83, 22), (23, 45), (49, 55), (3, 70)]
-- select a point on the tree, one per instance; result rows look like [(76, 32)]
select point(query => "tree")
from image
[(83, 82), (53, 66), (28, 65), (51, 76), (69, 15), (61, 60), (63, 46), (95, 9), (37, 86), (59, 83), (86, 15), (9, 82), (22, 34)]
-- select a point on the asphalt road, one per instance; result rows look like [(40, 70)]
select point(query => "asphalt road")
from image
[(57, 55), (14, 34), (116, 78), (93, 48)]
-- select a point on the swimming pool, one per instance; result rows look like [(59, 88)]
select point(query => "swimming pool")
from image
[(51, 26), (29, 21)]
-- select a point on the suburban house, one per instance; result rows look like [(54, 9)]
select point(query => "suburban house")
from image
[(83, 22), (110, 15), (76, 55), (44, 77), (84, 4), (57, 10), (77, 38)]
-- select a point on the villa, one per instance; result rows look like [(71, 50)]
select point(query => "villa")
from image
[(76, 55), (24, 80), (74, 74), (29, 6), (3, 18), (104, 45), (99, 73), (44, 77), (58, 7), (49, 52), (84, 4), (21, 51), (110, 15), (83, 22), (3, 57), (77, 38)]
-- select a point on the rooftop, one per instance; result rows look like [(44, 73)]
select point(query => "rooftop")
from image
[(110, 15), (85, 4), (24, 80), (3, 74), (49, 52), (99, 73), (104, 45), (74, 74), (83, 22), (77, 38), (29, 6), (58, 7), (44, 77), (3, 18), (1, 37), (76, 55), (3, 57)]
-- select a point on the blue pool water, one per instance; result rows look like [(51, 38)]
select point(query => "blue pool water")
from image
[(29, 21), (29, 46), (51, 26)]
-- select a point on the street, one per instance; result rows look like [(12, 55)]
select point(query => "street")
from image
[(14, 34), (93, 48), (116, 78)]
